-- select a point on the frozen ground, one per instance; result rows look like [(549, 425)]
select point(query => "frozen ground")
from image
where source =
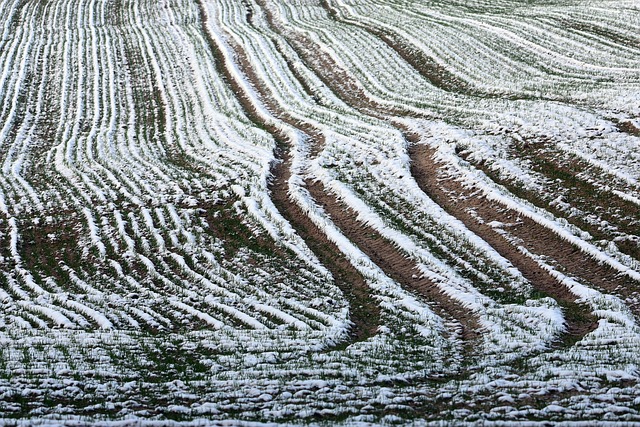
[(319, 212)]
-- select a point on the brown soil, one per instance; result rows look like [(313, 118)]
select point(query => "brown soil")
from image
[(628, 127), (460, 201), (364, 310), (579, 319), (457, 200), (393, 262)]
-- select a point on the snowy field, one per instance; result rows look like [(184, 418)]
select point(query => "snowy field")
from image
[(319, 212)]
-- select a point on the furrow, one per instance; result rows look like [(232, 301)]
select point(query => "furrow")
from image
[(477, 214), (580, 321), (364, 311), (395, 264)]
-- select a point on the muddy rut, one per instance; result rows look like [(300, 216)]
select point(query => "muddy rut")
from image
[(535, 238), (394, 263)]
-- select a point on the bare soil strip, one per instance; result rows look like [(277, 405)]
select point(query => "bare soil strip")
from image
[(364, 310), (394, 263), (565, 178), (580, 320), (466, 205), (628, 127)]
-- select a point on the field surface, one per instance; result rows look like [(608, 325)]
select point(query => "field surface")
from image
[(319, 211)]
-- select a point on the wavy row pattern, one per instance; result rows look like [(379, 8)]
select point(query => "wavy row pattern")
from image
[(320, 209)]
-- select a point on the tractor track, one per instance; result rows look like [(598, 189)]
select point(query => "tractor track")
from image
[(382, 252), (467, 206), (579, 319), (364, 309), (534, 237)]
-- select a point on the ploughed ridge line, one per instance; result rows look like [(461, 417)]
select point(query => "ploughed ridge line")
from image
[(364, 309), (579, 319)]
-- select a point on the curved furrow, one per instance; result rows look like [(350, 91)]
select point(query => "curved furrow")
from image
[(467, 295), (584, 194), (334, 211), (580, 322), (30, 136), (364, 310), (415, 93), (464, 295), (579, 257), (505, 230), (176, 96), (14, 114), (430, 69)]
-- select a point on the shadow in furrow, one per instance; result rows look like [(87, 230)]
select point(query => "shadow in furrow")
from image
[(364, 309)]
